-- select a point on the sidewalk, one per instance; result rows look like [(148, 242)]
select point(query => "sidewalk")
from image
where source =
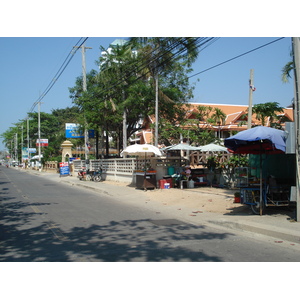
[(210, 206)]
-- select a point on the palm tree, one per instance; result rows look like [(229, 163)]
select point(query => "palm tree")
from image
[(286, 70), (218, 118), (267, 110)]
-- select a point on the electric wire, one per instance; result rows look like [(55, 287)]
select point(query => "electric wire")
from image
[(199, 42), (150, 58), (238, 56), (153, 59), (59, 72)]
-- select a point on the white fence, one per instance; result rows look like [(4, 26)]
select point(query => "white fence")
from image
[(201, 158), (122, 169)]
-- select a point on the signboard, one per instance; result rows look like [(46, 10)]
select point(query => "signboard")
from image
[(31, 150), (73, 131), (91, 133), (24, 154), (64, 168), (42, 142)]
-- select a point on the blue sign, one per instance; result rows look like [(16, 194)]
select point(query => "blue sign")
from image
[(73, 131), (64, 168)]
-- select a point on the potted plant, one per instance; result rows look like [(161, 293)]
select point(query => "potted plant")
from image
[(237, 197)]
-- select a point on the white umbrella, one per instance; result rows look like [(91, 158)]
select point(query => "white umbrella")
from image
[(213, 148), (37, 156), (141, 150), (182, 146)]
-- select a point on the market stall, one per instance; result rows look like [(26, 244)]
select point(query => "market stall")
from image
[(259, 141), (145, 178)]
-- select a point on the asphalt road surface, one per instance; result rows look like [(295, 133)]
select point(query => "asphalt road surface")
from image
[(47, 221)]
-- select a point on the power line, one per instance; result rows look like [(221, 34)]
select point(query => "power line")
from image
[(142, 64), (199, 43), (224, 62), (59, 72)]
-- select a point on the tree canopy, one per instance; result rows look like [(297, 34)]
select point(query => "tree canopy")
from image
[(267, 110), (125, 84)]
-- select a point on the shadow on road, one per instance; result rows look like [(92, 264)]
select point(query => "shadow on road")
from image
[(23, 239)]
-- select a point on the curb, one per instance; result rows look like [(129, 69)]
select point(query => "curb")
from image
[(88, 187), (252, 228)]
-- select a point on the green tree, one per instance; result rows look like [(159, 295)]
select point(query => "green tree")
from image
[(112, 91), (267, 110), (228, 167), (52, 128), (286, 71), (160, 58), (218, 117), (125, 84)]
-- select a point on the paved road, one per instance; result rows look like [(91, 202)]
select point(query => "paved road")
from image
[(43, 220)]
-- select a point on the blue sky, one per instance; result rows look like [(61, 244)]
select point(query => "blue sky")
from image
[(29, 64)]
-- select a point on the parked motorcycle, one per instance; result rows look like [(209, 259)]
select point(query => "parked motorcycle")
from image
[(96, 175), (90, 175), (84, 174)]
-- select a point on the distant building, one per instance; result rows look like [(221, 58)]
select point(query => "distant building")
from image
[(236, 120), (115, 43)]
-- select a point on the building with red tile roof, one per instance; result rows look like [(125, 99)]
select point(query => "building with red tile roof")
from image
[(236, 119)]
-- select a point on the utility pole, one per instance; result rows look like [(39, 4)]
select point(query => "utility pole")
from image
[(16, 147), (84, 88), (22, 144), (124, 124), (124, 129), (251, 89), (296, 59), (28, 141), (39, 133), (156, 109)]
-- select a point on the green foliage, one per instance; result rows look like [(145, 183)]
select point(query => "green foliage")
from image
[(126, 83), (233, 162), (212, 163), (228, 166), (267, 110), (52, 128)]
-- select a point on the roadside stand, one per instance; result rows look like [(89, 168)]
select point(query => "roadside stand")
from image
[(145, 177), (183, 177), (266, 147)]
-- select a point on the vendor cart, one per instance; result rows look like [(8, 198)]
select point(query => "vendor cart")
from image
[(145, 180), (271, 196), (259, 140)]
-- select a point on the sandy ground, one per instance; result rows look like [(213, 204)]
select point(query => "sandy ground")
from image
[(201, 199)]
